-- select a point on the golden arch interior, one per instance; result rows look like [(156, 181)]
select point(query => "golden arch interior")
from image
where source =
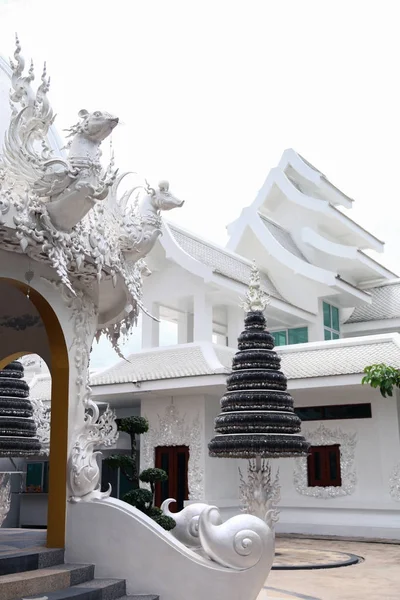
[(50, 344)]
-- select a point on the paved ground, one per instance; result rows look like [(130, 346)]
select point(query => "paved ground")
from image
[(376, 578)]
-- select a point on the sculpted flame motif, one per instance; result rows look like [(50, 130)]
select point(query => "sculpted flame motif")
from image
[(84, 469)]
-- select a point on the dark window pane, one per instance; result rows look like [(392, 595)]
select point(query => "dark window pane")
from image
[(181, 483), (312, 413), (335, 336), (327, 334), (317, 465), (335, 318), (165, 466), (46, 477), (279, 337), (333, 465), (34, 477), (327, 315), (125, 485), (109, 476), (298, 335)]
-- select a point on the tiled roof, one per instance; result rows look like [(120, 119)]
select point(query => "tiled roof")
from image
[(323, 359), (283, 237), (188, 360), (385, 304), (334, 359), (220, 261)]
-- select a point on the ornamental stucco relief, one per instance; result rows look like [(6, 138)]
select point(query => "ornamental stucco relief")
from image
[(322, 436), (394, 483), (174, 430)]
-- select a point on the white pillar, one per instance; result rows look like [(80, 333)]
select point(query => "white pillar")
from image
[(185, 328), (203, 318), (235, 324), (150, 327)]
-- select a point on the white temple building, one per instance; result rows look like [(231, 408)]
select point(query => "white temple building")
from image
[(333, 311)]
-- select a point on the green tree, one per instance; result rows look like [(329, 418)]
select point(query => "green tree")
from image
[(383, 377), (141, 498)]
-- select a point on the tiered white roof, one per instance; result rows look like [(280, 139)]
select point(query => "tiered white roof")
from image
[(294, 227)]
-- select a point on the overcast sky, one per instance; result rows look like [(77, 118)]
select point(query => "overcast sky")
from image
[(210, 93)]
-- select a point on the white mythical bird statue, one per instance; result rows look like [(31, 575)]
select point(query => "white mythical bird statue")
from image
[(72, 186)]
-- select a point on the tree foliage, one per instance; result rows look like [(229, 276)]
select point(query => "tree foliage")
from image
[(139, 497), (383, 377)]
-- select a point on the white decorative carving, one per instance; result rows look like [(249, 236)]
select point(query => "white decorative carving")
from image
[(187, 522), (42, 417), (256, 299), (237, 544), (322, 436), (71, 186), (5, 496), (394, 483), (97, 430), (142, 225), (174, 430), (84, 472), (260, 494), (55, 212)]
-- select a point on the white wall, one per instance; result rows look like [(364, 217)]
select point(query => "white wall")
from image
[(189, 408)]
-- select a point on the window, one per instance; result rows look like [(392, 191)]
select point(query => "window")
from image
[(37, 477), (328, 413), (331, 322), (298, 335), (120, 485), (323, 466)]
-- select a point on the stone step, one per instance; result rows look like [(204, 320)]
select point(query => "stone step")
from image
[(96, 589), (140, 597), (26, 560), (43, 581)]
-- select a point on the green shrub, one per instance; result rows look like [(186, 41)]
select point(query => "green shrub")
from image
[(141, 498)]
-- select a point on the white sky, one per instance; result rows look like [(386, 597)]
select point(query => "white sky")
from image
[(211, 92)]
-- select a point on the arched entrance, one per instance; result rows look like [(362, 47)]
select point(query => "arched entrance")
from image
[(59, 368)]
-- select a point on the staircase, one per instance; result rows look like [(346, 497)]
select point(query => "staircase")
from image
[(41, 573)]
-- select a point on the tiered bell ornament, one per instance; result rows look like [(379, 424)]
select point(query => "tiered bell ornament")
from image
[(257, 418), (17, 426)]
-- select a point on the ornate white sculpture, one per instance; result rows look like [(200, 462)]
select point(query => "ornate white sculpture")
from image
[(71, 186), (66, 211), (256, 299), (174, 430), (394, 483), (142, 225), (239, 543), (84, 471), (42, 417), (187, 522), (5, 496), (322, 436), (260, 494)]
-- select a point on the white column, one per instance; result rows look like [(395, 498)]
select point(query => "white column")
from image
[(203, 317), (316, 329), (235, 325), (150, 327)]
